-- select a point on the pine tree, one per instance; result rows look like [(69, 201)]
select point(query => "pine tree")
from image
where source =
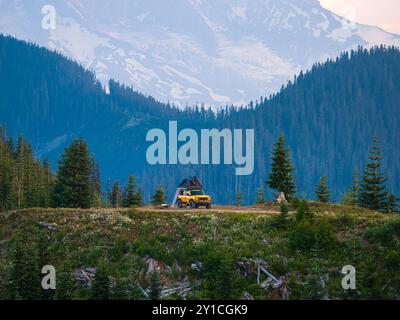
[(372, 194), (101, 285), (355, 188), (322, 192), (139, 198), (115, 195), (281, 175), (24, 181), (260, 196), (95, 182), (238, 199), (65, 283), (284, 208), (109, 194), (131, 200), (155, 288), (304, 212), (6, 165), (73, 188), (392, 204), (159, 197), (48, 185), (23, 277)]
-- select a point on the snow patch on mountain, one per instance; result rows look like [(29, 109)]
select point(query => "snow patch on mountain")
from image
[(193, 51)]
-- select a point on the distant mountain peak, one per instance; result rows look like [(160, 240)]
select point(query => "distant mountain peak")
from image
[(193, 51)]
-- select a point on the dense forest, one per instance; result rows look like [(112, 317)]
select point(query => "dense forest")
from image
[(24, 181), (27, 183), (328, 115)]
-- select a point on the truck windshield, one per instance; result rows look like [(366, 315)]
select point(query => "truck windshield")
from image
[(196, 193)]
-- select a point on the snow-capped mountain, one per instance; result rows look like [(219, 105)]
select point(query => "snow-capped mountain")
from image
[(187, 51)]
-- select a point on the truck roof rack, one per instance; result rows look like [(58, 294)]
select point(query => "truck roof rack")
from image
[(191, 184)]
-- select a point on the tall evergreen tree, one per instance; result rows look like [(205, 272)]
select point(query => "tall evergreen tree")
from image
[(372, 194), (95, 182), (281, 175), (23, 277), (322, 192), (260, 196), (392, 204), (131, 200), (159, 197), (73, 189), (355, 188), (48, 185), (6, 165), (24, 181), (109, 194), (238, 199), (139, 198), (115, 195)]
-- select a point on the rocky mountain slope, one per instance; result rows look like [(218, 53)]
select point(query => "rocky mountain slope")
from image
[(188, 51)]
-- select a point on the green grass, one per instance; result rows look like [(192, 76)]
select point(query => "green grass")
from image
[(301, 253)]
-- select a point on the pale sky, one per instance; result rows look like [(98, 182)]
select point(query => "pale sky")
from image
[(381, 13)]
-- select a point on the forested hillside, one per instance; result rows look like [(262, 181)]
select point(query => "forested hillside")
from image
[(328, 115)]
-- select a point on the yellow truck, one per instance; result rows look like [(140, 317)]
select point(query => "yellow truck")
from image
[(190, 193)]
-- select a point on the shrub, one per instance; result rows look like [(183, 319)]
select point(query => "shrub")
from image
[(222, 280), (118, 250), (306, 236), (155, 286), (385, 235), (101, 285), (343, 220), (392, 260), (304, 212)]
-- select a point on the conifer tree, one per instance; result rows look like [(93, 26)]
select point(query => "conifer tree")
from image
[(281, 175), (260, 196), (392, 204), (131, 200), (322, 192), (155, 289), (139, 198), (238, 199), (355, 188), (284, 209), (95, 182), (115, 195), (304, 212), (6, 164), (23, 277), (73, 188), (372, 194), (48, 185), (159, 197), (24, 181), (65, 283), (109, 194), (101, 285)]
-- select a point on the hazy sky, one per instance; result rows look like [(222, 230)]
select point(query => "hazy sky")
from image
[(382, 13)]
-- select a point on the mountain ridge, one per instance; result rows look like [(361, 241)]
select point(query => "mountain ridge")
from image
[(183, 52), (329, 116)]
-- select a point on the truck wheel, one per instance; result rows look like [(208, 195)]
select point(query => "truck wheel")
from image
[(208, 206), (179, 204), (193, 204)]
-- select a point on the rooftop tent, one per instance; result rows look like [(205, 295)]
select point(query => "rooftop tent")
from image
[(191, 184)]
